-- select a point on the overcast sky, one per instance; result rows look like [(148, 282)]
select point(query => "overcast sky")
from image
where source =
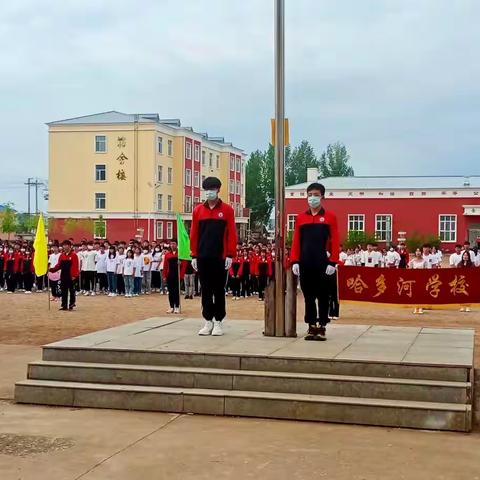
[(397, 81)]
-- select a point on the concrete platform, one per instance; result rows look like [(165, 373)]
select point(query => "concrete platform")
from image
[(396, 376)]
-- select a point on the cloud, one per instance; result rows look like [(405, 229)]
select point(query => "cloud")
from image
[(395, 80)]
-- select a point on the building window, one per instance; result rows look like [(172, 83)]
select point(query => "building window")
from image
[(160, 145), (159, 202), (218, 161), (159, 230), (196, 176), (383, 228), (188, 204), (448, 228), (170, 148), (188, 177), (232, 163), (100, 173), (100, 229), (169, 203), (210, 161), (238, 165), (169, 175), (197, 153), (188, 151), (356, 223), (100, 201), (203, 157), (159, 174), (169, 230), (291, 219), (232, 186), (100, 143), (238, 188), (196, 201)]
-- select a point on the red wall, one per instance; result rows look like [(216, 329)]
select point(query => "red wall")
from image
[(409, 214)]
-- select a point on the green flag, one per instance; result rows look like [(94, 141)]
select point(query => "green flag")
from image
[(183, 240)]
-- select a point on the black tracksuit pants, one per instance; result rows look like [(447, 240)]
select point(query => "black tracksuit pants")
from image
[(213, 278), (67, 288), (315, 283)]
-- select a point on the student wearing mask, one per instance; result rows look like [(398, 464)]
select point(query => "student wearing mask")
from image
[(138, 275), (213, 243), (121, 256), (54, 277), (28, 275), (90, 268), (12, 269), (128, 272), (101, 269), (147, 270), (170, 272), (111, 265), (68, 266), (315, 234), (156, 279)]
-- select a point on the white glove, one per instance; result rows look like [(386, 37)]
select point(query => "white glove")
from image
[(296, 269), (330, 270), (194, 264), (228, 263)]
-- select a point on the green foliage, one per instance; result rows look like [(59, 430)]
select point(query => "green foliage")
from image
[(355, 238), (8, 220), (297, 161), (100, 228), (289, 239), (78, 225), (416, 240), (260, 186), (26, 223), (334, 161)]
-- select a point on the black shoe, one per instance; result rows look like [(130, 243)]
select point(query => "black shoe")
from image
[(62, 308), (322, 333), (71, 307), (311, 333)]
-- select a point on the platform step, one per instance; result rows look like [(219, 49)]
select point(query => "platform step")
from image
[(437, 391), (424, 371), (367, 411)]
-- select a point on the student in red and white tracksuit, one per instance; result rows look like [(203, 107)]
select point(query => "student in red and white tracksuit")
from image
[(315, 234), (68, 265), (263, 271), (213, 243)]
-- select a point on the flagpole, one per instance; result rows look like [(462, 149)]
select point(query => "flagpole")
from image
[(48, 290)]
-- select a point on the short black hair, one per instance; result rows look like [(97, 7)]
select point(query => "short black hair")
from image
[(316, 186), (211, 182), (66, 242)]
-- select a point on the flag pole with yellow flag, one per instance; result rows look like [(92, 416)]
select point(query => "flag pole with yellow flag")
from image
[(40, 258)]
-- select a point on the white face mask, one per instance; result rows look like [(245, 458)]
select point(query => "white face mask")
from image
[(90, 247), (211, 195), (145, 251), (314, 201)]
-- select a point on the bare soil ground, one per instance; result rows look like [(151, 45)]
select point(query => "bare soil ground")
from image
[(26, 320)]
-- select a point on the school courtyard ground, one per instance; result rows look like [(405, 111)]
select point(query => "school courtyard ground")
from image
[(70, 443)]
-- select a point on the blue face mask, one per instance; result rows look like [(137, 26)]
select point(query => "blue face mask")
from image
[(211, 194), (314, 202)]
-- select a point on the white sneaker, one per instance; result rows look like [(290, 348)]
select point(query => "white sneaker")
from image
[(176, 310), (217, 329), (207, 328), (467, 309), (171, 310), (92, 294), (86, 294)]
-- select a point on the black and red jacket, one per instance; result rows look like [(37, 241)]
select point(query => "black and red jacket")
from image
[(263, 266), (236, 268), (68, 265), (314, 236), (213, 233), (13, 262), (27, 263), (170, 265)]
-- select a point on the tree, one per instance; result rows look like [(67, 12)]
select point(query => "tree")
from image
[(26, 223), (334, 161), (9, 220), (260, 186), (297, 161)]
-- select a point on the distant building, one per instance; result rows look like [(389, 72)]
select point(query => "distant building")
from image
[(395, 208), (119, 176)]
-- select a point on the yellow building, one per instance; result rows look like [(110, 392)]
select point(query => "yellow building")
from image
[(120, 176)]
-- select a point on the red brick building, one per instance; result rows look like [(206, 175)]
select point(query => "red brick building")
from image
[(397, 207)]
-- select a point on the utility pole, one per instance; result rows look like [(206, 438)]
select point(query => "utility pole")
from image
[(36, 184), (29, 184)]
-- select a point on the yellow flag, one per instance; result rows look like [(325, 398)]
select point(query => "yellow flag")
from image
[(40, 259)]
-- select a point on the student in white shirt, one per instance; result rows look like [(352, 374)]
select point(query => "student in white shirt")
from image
[(456, 257), (128, 270), (437, 253), (430, 260), (147, 271), (54, 278), (156, 279), (101, 266), (392, 258), (418, 262), (370, 257), (138, 275), (120, 280), (82, 258), (342, 256), (466, 248), (112, 266), (89, 272)]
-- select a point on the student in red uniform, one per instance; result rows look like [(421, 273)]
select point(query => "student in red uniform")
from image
[(69, 270), (235, 275), (11, 268), (263, 271), (213, 241), (28, 270), (246, 270), (316, 233), (170, 274)]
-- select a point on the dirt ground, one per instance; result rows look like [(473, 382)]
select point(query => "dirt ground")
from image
[(26, 320)]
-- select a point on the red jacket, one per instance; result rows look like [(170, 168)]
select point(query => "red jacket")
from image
[(17, 257), (74, 264), (314, 236), (235, 261), (166, 262), (28, 258), (258, 262), (213, 233)]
